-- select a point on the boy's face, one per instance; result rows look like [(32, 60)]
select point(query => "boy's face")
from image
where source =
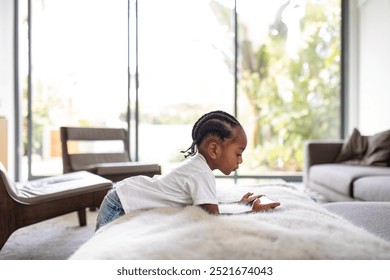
[(232, 150)]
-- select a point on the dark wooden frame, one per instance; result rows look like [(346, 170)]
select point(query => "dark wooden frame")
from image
[(113, 166), (17, 212)]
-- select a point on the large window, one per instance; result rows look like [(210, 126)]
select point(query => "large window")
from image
[(288, 80), (275, 64), (78, 73), (184, 71)]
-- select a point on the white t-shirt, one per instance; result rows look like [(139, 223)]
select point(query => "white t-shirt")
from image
[(191, 183)]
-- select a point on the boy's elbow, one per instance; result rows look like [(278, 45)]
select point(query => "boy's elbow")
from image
[(210, 208)]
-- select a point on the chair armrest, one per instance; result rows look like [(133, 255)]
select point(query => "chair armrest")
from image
[(319, 152), (130, 168)]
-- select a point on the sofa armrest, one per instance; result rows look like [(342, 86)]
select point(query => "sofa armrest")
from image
[(318, 152)]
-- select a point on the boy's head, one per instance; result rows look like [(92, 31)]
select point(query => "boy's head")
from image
[(220, 138)]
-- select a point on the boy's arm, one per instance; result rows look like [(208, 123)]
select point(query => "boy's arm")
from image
[(210, 208), (214, 210)]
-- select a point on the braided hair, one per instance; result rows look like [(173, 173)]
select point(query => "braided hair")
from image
[(217, 123)]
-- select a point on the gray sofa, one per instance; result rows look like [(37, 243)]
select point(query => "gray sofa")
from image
[(358, 193), (340, 181)]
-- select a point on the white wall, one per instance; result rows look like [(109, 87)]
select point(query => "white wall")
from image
[(374, 66), (6, 76)]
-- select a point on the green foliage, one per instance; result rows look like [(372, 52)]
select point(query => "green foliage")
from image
[(293, 97)]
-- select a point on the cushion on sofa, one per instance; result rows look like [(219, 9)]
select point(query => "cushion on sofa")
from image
[(339, 177), (354, 149), (372, 188), (366, 150)]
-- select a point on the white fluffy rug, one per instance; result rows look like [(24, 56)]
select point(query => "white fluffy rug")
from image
[(298, 229)]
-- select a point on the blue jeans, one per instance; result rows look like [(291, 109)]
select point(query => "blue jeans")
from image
[(110, 209)]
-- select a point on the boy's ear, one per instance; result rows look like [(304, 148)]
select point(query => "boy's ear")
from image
[(213, 149)]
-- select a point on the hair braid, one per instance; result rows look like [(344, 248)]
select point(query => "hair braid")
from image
[(218, 123)]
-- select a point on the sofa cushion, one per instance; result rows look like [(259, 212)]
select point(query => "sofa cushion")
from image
[(366, 150), (354, 149), (339, 177), (372, 188)]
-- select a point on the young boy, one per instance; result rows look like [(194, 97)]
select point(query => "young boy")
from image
[(218, 143)]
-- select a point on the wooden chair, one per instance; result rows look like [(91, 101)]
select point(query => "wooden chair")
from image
[(114, 164), (23, 204)]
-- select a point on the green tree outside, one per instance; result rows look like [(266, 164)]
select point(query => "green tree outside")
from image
[(292, 97)]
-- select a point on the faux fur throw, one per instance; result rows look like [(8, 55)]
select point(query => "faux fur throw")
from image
[(298, 229)]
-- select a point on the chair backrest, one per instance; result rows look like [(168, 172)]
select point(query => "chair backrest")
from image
[(7, 187), (83, 147)]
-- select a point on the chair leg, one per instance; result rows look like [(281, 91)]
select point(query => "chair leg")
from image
[(82, 217)]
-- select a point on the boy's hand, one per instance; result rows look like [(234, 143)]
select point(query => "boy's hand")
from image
[(264, 204), (248, 198)]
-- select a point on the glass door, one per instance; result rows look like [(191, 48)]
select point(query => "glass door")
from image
[(78, 74), (185, 60), (276, 64), (289, 81)]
